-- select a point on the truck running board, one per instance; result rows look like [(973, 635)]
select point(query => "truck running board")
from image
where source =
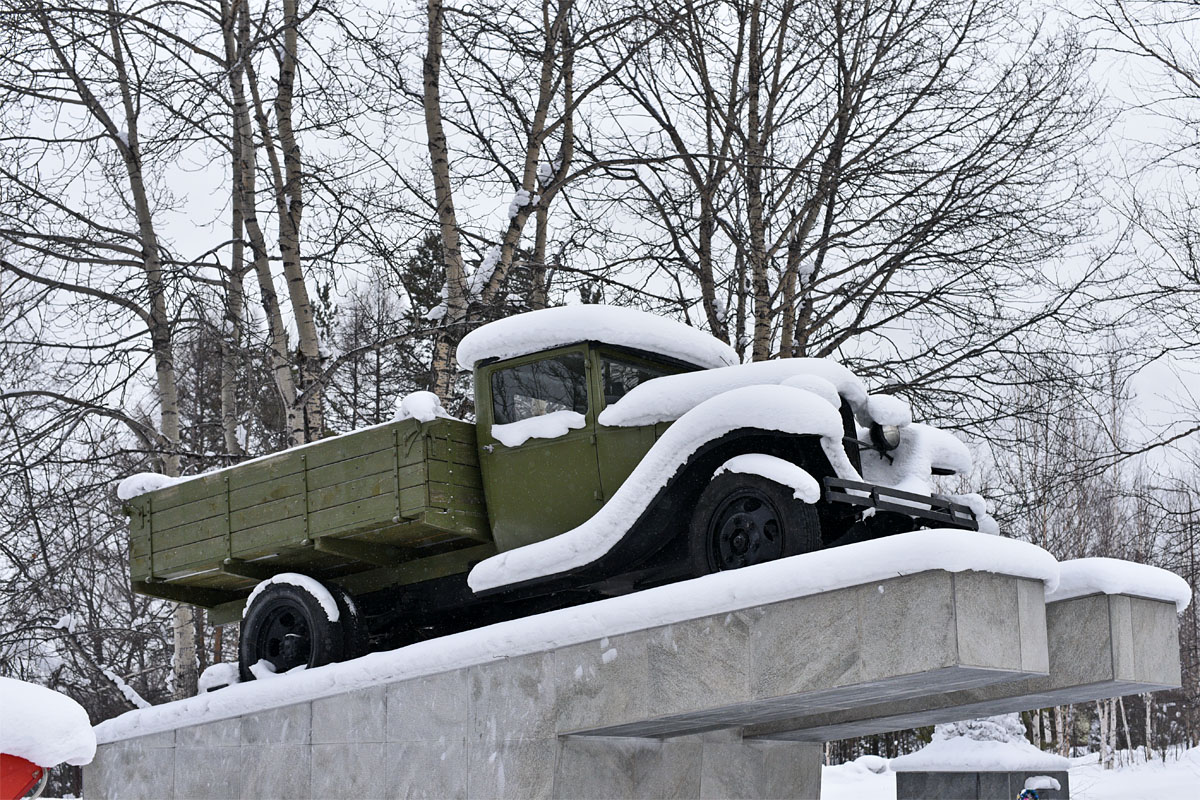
[(935, 507)]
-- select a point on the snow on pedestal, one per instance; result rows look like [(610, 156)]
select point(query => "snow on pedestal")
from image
[(981, 758), (992, 744)]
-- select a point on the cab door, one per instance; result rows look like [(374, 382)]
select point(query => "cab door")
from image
[(621, 449), (549, 483)]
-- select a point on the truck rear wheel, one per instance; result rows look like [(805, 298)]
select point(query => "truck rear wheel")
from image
[(743, 519), (287, 627)]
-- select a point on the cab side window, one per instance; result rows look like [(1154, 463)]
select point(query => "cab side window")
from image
[(540, 387), (621, 376)]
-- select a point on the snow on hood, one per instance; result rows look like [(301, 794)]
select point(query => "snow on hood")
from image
[(720, 593), (779, 408), (547, 328), (1084, 576), (671, 396), (43, 726)]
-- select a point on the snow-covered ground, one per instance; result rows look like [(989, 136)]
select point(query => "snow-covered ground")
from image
[(1177, 779)]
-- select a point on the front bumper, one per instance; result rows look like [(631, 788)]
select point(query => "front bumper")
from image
[(931, 507)]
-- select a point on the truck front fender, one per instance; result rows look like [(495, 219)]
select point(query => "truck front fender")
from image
[(643, 515)]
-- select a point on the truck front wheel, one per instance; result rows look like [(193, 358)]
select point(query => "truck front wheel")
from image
[(286, 627), (744, 519)]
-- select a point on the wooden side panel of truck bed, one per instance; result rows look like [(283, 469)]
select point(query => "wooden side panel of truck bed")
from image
[(378, 497)]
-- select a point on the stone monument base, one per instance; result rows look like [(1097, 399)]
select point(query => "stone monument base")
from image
[(974, 785)]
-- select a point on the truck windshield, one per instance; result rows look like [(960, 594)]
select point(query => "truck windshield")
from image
[(540, 387), (621, 376)]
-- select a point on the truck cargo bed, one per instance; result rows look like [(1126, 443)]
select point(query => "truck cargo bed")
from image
[(375, 498)]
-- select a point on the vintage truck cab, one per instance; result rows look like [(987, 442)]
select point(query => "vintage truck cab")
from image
[(611, 450)]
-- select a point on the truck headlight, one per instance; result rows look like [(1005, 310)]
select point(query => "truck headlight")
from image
[(885, 437)]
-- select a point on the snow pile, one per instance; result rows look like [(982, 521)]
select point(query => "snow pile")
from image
[(143, 482), (785, 473), (993, 744), (554, 327), (721, 593), (671, 396), (216, 676), (888, 410), (545, 426), (909, 468), (1084, 576), (777, 408), (1042, 782), (43, 726), (421, 406), (980, 508), (310, 585)]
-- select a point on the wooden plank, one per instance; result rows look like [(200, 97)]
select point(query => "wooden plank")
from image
[(266, 512), (186, 513), (360, 514), (191, 490), (456, 474), (454, 429), (377, 485), (455, 497), (268, 537), (413, 501), (452, 451), (350, 445), (139, 547), (139, 567), (382, 460), (178, 559), (273, 467), (266, 491), (193, 532), (412, 475)]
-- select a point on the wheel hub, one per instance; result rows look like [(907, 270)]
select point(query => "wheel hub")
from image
[(745, 530)]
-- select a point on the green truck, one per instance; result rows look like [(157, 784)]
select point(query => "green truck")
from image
[(611, 451)]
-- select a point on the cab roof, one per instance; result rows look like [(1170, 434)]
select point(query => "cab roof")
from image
[(548, 328)]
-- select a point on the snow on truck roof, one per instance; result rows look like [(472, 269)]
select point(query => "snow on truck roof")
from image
[(547, 328)]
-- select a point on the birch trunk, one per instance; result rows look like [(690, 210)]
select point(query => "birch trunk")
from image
[(761, 343), (439, 158), (238, 54), (290, 201), (161, 336), (231, 333)]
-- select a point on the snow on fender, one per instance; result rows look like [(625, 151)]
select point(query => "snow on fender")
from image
[(785, 473), (310, 585), (43, 726), (767, 407)]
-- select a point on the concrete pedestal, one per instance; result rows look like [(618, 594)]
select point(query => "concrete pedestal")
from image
[(670, 711), (974, 785)]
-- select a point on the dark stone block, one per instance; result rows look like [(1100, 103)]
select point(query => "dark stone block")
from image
[(974, 785)]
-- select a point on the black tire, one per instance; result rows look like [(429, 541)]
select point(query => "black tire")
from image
[(742, 520), (355, 641), (288, 627)]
